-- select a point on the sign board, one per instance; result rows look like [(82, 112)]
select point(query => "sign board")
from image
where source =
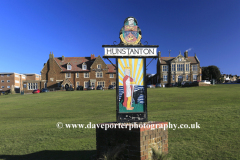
[(131, 87), (133, 51)]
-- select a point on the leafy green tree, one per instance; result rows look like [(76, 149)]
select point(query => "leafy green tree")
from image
[(215, 72), (211, 72), (205, 73)]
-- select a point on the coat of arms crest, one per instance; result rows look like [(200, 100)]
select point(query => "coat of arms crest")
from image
[(130, 34)]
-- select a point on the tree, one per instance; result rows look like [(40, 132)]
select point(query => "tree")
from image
[(221, 79), (211, 72), (205, 73)]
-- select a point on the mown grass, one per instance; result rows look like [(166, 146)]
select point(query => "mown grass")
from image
[(28, 122)]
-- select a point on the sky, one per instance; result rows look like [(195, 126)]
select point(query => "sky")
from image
[(31, 29)]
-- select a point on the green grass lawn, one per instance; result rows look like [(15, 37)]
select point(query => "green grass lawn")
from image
[(28, 122)]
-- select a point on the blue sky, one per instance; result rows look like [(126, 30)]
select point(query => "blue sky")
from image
[(31, 29)]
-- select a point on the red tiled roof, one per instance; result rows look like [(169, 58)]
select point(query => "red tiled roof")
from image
[(165, 59), (76, 63), (111, 68)]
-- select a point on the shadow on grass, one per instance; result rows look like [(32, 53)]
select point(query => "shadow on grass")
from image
[(53, 155)]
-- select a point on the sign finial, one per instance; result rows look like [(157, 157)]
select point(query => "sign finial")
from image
[(130, 33)]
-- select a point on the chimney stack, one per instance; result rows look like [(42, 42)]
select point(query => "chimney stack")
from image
[(51, 55), (186, 54), (159, 54), (63, 58), (92, 56)]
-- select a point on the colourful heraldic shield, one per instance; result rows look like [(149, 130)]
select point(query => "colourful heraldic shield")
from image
[(131, 85), (130, 33)]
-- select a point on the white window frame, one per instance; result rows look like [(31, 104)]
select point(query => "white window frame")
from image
[(84, 67), (77, 83), (173, 77), (165, 78), (16, 81), (32, 86), (37, 76), (2, 86), (99, 74), (86, 75), (194, 76), (8, 75), (165, 68), (187, 77), (182, 67), (67, 75), (99, 66), (29, 86), (111, 75), (194, 67), (77, 75), (8, 81), (69, 67), (102, 83), (8, 86), (16, 75), (2, 81), (173, 67), (2, 75), (187, 67), (86, 82)]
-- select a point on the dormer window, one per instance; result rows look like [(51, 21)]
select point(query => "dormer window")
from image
[(84, 66), (99, 66), (69, 66)]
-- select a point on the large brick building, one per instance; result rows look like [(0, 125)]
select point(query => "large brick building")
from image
[(33, 81), (171, 70), (63, 72), (15, 80)]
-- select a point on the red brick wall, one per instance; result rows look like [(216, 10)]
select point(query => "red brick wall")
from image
[(51, 71)]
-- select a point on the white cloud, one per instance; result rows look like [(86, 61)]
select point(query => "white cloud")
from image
[(189, 49)]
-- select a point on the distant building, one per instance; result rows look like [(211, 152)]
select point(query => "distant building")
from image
[(33, 81), (172, 70), (9, 79), (230, 78), (64, 72)]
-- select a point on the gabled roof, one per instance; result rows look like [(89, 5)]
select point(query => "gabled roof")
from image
[(76, 63), (166, 60), (111, 68), (66, 81)]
